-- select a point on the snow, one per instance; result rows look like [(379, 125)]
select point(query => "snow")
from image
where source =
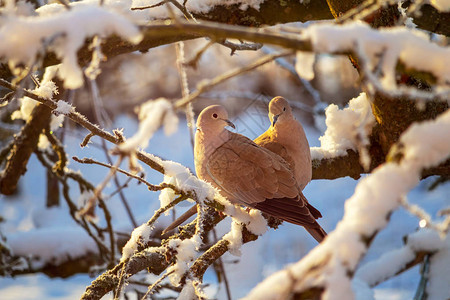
[(347, 128), (152, 114), (188, 291), (140, 235), (366, 212), (391, 262), (23, 38), (181, 177), (63, 108), (272, 251), (411, 47), (304, 64), (425, 240), (235, 238), (46, 89), (186, 252)]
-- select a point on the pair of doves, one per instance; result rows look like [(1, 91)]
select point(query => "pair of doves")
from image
[(268, 174)]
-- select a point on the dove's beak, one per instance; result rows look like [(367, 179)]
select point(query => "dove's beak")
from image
[(229, 123), (275, 118)]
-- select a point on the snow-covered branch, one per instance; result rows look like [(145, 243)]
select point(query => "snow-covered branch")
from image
[(76, 117), (330, 265), (418, 244)]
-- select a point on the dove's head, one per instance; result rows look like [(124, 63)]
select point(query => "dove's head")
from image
[(279, 110), (213, 119)]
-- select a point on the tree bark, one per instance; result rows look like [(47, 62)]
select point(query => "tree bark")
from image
[(25, 143)]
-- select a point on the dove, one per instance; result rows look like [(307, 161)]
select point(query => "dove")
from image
[(250, 175), (287, 138)]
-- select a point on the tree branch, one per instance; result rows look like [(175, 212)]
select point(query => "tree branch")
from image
[(24, 144), (81, 120)]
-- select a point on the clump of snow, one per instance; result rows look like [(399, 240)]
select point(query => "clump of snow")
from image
[(347, 128), (366, 212), (45, 90), (64, 39), (63, 108), (411, 47), (180, 176), (140, 235), (26, 108), (186, 253), (152, 114), (188, 291), (43, 142), (419, 139), (253, 220), (235, 238), (304, 64), (425, 240)]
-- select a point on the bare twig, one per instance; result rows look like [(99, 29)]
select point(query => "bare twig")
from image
[(104, 119), (150, 186), (206, 85), (87, 140), (193, 62), (243, 46), (185, 89), (424, 273), (88, 210), (103, 250), (152, 288)]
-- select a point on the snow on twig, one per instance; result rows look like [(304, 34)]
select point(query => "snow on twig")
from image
[(391, 263), (67, 39), (152, 114), (347, 128)]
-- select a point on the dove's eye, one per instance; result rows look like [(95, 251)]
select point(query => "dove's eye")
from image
[(215, 116), (284, 108)]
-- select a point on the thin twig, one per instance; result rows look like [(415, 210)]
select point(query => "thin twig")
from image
[(206, 85), (150, 186), (355, 13), (185, 89), (243, 46), (424, 273), (193, 62), (82, 120), (121, 281), (103, 250), (88, 210), (155, 284)]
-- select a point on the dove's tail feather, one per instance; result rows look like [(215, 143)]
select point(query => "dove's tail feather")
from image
[(181, 219), (295, 212), (317, 232)]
